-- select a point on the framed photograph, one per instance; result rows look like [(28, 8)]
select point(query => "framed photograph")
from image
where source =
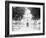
[(24, 19)]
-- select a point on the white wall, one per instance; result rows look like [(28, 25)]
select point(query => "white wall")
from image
[(2, 19)]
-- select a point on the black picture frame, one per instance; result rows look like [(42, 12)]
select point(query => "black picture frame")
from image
[(7, 18)]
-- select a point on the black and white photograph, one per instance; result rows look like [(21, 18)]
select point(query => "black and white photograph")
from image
[(25, 19)]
